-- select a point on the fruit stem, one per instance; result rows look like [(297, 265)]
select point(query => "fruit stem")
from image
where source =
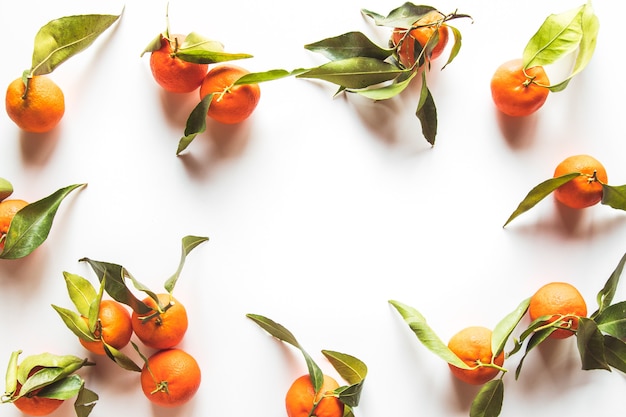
[(161, 387), (564, 321)]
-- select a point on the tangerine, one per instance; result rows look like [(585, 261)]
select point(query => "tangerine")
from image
[(302, 401), (33, 405), (519, 92), (172, 73), (8, 209), (561, 301), (473, 346), (113, 327), (585, 190), (170, 377), (38, 108), (429, 25), (161, 329), (230, 103)]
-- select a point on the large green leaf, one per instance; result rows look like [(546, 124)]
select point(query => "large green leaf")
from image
[(358, 72), (614, 196), (403, 17), (615, 352), (349, 45), (426, 112), (387, 91), (63, 389), (606, 294), (48, 360), (60, 39), (591, 345), (488, 401), (352, 369), (75, 323), (540, 192), (426, 335), (503, 330), (81, 292), (31, 225), (612, 320)]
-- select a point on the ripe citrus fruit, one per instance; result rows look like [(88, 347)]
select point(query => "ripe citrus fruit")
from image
[(430, 23), (301, 400), (114, 328), (172, 73), (561, 301), (517, 92), (231, 103), (33, 405), (473, 346), (40, 109), (584, 190), (170, 378), (161, 330), (8, 208)]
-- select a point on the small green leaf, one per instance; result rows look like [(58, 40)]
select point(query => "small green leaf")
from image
[(488, 401), (196, 123), (31, 225), (356, 72), (60, 39), (606, 294), (535, 340), (350, 368), (612, 320), (615, 352), (200, 50), (387, 91), (502, 331), (75, 323), (590, 345), (403, 17), (540, 192), (63, 389), (120, 358), (10, 379), (6, 189), (81, 292), (350, 395), (270, 75), (427, 112), (456, 45), (85, 402), (349, 45), (614, 196), (188, 244), (417, 323), (154, 45)]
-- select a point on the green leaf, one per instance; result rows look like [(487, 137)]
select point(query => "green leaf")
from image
[(48, 360), (535, 340), (540, 192), (350, 395), (349, 45), (388, 91), (6, 189), (188, 244), (563, 34), (47, 376), (200, 50), (31, 225), (612, 320), (590, 345), (606, 294), (60, 39), (502, 331), (456, 45), (85, 402), (154, 45), (264, 76), (10, 379), (114, 277), (120, 358), (75, 323), (417, 323), (81, 292), (350, 368), (615, 352), (488, 401), (356, 72), (63, 389), (427, 112), (281, 333), (403, 17), (196, 123), (614, 196)]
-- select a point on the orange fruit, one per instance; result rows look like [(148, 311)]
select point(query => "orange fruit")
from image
[(40, 109), (473, 346), (430, 23), (161, 330), (301, 400), (8, 208), (33, 405), (114, 328), (561, 301), (517, 92), (170, 378), (231, 103), (584, 190), (172, 73)]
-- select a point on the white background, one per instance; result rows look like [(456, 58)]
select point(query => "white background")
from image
[(318, 209)]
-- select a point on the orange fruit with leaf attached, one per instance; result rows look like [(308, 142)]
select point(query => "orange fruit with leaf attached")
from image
[(33, 405), (585, 190), (302, 401), (473, 346), (171, 72), (38, 108), (161, 328), (230, 103), (113, 328), (559, 301), (430, 26), (517, 91), (170, 377)]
